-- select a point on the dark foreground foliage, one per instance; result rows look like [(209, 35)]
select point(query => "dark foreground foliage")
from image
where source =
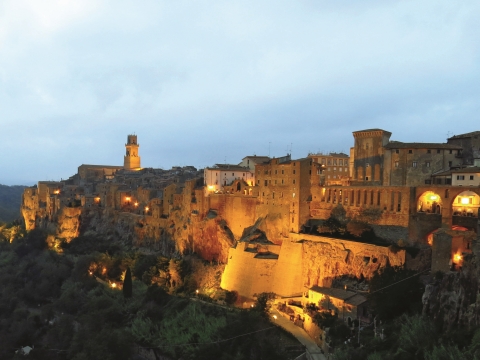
[(70, 307)]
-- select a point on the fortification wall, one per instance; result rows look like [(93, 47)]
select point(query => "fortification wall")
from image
[(246, 274), (305, 261)]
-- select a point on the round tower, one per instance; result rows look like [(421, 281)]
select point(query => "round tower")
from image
[(131, 160)]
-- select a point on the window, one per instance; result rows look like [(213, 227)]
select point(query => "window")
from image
[(258, 182), (410, 151), (275, 172), (428, 182), (294, 171), (340, 169), (449, 164), (429, 151), (460, 177), (282, 181), (450, 151), (414, 164), (275, 182), (471, 177), (334, 168), (266, 182), (397, 151), (438, 151), (346, 169), (323, 161), (293, 181), (366, 178), (427, 164), (340, 162), (283, 171), (334, 161), (329, 162), (396, 164)]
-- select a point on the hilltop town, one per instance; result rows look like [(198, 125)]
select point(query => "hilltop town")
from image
[(310, 230)]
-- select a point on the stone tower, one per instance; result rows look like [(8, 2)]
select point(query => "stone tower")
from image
[(131, 159)]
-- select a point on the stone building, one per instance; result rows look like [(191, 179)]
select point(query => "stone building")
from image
[(251, 161), (283, 190), (331, 169), (222, 175), (379, 161), (470, 144)]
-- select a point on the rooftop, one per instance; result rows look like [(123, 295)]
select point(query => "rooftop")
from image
[(466, 135), (415, 145), (347, 296)]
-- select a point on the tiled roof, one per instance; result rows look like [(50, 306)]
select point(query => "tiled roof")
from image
[(415, 145), (467, 170), (349, 297), (466, 135)]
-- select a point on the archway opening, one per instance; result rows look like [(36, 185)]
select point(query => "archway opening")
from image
[(429, 202), (465, 209)]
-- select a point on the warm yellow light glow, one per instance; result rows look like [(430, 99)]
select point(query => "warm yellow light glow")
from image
[(113, 285), (211, 187), (434, 197), (91, 273), (56, 192), (146, 208), (128, 198), (136, 204), (465, 201), (275, 317), (97, 199), (457, 257), (196, 291)]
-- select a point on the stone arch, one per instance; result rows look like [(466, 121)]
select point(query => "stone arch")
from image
[(465, 209), (429, 202)]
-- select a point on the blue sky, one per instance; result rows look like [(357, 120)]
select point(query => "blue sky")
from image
[(201, 82)]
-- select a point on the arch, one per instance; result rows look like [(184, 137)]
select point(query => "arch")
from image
[(429, 202), (466, 203)]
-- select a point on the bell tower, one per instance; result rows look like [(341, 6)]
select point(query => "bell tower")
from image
[(131, 160)]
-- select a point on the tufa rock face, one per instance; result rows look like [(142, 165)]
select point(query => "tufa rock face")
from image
[(454, 300)]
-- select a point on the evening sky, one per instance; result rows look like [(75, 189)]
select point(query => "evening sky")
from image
[(205, 82)]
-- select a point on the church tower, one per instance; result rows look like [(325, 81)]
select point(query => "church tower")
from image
[(131, 159)]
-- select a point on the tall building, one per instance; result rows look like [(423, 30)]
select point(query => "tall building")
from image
[(131, 160)]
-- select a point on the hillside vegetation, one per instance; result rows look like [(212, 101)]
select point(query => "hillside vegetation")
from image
[(67, 301), (10, 201)]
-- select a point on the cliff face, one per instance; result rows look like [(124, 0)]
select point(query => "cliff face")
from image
[(454, 299), (180, 233)]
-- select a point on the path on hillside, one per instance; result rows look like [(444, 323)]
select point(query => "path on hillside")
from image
[(299, 333)]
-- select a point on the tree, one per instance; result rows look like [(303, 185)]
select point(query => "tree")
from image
[(395, 290), (127, 284)]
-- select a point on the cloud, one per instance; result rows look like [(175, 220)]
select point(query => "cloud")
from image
[(200, 81)]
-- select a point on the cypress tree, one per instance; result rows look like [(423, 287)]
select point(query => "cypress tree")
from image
[(127, 284)]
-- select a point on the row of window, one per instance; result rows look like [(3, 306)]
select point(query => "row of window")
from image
[(429, 151), (324, 161), (462, 177), (269, 182)]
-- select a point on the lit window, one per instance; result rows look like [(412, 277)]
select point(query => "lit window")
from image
[(427, 164), (396, 164), (460, 177), (414, 164)]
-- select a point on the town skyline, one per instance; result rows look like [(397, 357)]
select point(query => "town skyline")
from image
[(211, 83)]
